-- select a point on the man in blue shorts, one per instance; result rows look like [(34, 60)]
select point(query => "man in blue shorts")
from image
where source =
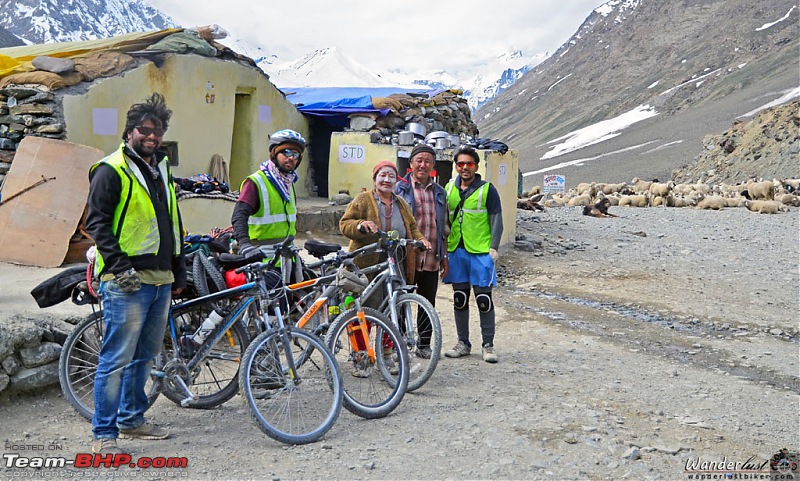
[(476, 226)]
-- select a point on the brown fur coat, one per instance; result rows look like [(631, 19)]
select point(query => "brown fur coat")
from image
[(364, 207)]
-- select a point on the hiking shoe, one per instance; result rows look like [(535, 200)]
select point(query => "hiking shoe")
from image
[(388, 361), (106, 446), (488, 354), (423, 352), (146, 430), (459, 350)]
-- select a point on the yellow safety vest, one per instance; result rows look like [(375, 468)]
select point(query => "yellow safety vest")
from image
[(471, 221), (275, 218), (134, 224)]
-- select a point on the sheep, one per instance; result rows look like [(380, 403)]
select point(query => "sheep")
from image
[(674, 201), (581, 200), (764, 206), (639, 185), (713, 202), (614, 188), (634, 200), (585, 188), (734, 201), (760, 190), (789, 199), (659, 191)]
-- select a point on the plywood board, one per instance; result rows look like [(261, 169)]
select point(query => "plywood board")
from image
[(36, 225)]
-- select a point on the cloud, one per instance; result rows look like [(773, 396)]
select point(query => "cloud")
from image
[(415, 35)]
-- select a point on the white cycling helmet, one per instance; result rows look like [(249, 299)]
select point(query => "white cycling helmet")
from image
[(286, 136)]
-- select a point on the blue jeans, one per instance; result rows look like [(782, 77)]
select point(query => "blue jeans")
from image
[(134, 333)]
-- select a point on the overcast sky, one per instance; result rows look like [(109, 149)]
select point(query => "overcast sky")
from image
[(412, 35)]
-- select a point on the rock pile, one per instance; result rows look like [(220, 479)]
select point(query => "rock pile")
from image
[(446, 111), (765, 147), (29, 351)]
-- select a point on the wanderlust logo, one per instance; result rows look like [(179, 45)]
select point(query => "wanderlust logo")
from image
[(782, 466)]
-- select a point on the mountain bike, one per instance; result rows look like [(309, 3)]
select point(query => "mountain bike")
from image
[(357, 337), (191, 374), (290, 380), (414, 315)]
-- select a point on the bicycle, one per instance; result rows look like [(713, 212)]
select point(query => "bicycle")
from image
[(414, 315), (290, 380), (356, 334), (210, 368)]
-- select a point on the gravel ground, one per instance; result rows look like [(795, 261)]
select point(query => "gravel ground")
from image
[(628, 348)]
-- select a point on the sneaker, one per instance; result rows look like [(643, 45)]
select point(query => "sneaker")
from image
[(488, 354), (146, 430), (105, 446), (424, 352), (388, 361), (459, 350), (362, 373)]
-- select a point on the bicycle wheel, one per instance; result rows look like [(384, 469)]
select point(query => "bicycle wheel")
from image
[(289, 409), (424, 342), (371, 390), (203, 270), (214, 379), (77, 365)]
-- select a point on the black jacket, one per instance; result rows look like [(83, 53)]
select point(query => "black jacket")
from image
[(104, 194)]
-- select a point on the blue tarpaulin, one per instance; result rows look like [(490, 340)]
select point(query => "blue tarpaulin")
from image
[(334, 104)]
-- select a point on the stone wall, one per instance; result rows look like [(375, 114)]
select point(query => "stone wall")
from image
[(27, 110), (446, 111), (29, 351)]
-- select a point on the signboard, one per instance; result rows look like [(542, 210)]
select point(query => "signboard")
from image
[(502, 174), (352, 154), (554, 183)]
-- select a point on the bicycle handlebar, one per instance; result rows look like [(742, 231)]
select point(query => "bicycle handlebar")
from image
[(284, 248)]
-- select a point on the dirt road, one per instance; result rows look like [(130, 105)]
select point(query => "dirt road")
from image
[(629, 348)]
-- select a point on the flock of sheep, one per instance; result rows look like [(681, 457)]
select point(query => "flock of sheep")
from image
[(762, 196)]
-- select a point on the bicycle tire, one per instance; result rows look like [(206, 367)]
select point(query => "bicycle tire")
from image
[(202, 271), (214, 380), (285, 411), (419, 309), (77, 365), (370, 390)]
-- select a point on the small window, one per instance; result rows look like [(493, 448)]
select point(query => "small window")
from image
[(171, 149)]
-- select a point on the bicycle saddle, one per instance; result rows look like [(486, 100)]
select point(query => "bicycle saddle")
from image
[(319, 249)]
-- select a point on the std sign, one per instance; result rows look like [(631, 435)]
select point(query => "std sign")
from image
[(554, 183), (352, 154)]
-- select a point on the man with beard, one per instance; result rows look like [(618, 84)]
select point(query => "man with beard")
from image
[(266, 211), (132, 215)]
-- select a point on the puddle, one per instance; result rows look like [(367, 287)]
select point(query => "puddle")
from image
[(628, 312)]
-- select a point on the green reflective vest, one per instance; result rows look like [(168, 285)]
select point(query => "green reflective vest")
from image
[(471, 221), (274, 219), (134, 224)]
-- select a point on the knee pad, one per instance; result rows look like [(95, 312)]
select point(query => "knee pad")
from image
[(460, 300), (484, 301)]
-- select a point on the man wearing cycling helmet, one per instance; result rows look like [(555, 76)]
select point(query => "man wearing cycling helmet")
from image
[(266, 211)]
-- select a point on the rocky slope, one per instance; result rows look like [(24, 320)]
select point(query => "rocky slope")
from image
[(700, 64), (765, 146)]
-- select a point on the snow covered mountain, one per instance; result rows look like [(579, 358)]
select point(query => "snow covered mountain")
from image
[(46, 21), (331, 67), (327, 67)]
